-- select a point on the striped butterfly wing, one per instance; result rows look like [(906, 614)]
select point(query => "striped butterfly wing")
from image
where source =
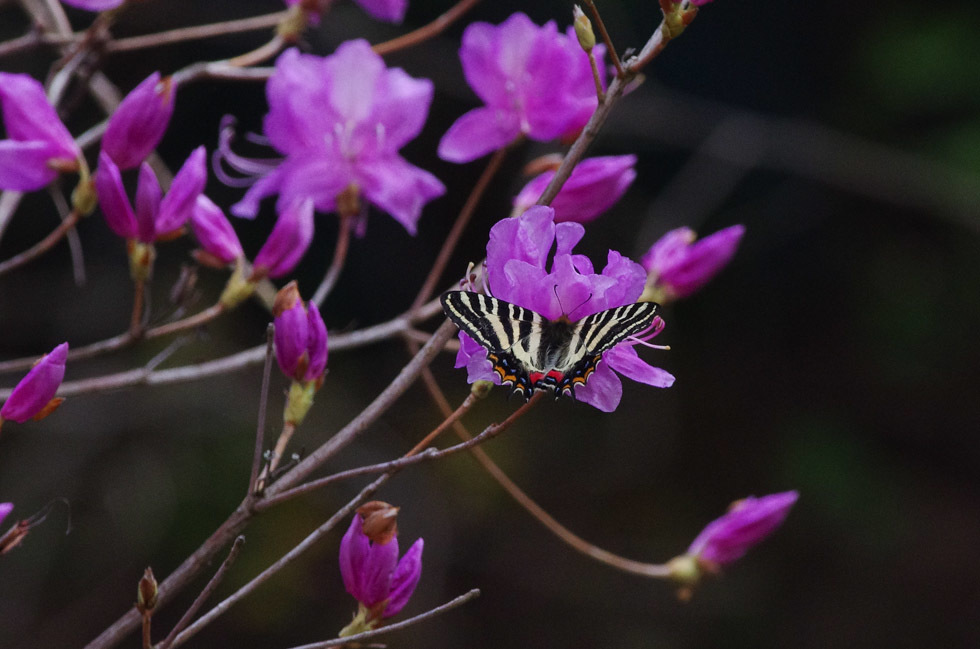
[(530, 352), (597, 334), (497, 326)]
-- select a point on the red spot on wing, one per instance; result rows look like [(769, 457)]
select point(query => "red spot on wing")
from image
[(534, 377)]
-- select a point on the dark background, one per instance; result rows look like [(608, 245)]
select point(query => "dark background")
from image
[(837, 355)]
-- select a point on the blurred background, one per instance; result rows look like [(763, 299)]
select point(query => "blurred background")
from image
[(838, 355)]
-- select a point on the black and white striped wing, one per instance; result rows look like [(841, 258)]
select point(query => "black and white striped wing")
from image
[(598, 333), (500, 327)]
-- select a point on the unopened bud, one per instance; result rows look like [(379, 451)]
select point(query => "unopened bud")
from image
[(146, 593), (480, 389), (583, 29), (379, 521), (83, 198)]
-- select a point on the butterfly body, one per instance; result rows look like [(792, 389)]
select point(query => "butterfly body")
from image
[(530, 352)]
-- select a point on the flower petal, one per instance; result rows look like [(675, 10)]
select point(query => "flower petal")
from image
[(288, 241), (24, 165), (177, 205), (37, 388), (399, 188), (112, 198), (138, 124), (392, 11), (477, 133), (624, 359), (603, 391), (405, 579), (27, 115)]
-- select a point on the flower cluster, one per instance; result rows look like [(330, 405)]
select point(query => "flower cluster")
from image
[(340, 121), (518, 272), (372, 572), (534, 81)]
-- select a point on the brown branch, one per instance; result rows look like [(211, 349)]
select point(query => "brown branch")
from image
[(212, 585), (263, 403), (397, 626), (42, 246), (462, 220), (428, 31), (196, 32), (605, 37)]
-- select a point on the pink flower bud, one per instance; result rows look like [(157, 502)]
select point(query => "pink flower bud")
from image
[(301, 336), (34, 395), (119, 215), (288, 242), (39, 145), (747, 522), (177, 205), (138, 124), (371, 571), (678, 267), (594, 186), (215, 232)]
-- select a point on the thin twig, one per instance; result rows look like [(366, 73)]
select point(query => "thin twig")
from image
[(263, 403), (42, 246), (397, 626), (196, 32), (605, 37), (426, 32), (337, 263), (31, 40), (462, 220), (236, 547), (283, 561), (567, 536)]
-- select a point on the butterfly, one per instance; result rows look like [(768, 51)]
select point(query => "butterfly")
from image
[(530, 352)]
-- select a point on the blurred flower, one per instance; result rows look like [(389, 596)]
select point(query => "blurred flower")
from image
[(534, 81), (34, 395), (517, 272), (5, 508), (392, 11), (39, 146), (678, 267), (593, 187), (155, 217), (340, 121), (287, 243), (370, 568), (137, 126), (219, 243), (747, 522), (301, 336), (94, 5)]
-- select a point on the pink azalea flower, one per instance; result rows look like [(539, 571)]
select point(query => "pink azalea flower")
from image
[(34, 394), (301, 336), (288, 241), (747, 522), (678, 266), (372, 572), (518, 272), (392, 11), (137, 126), (594, 186), (39, 146), (533, 80), (340, 121), (155, 215), (94, 5)]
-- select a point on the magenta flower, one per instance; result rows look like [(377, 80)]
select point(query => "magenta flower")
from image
[(371, 570), (219, 243), (287, 243), (301, 336), (747, 522), (5, 509), (517, 272), (340, 122), (678, 266), (39, 146), (94, 5), (138, 124), (392, 11), (534, 81), (594, 186), (156, 215), (34, 395)]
